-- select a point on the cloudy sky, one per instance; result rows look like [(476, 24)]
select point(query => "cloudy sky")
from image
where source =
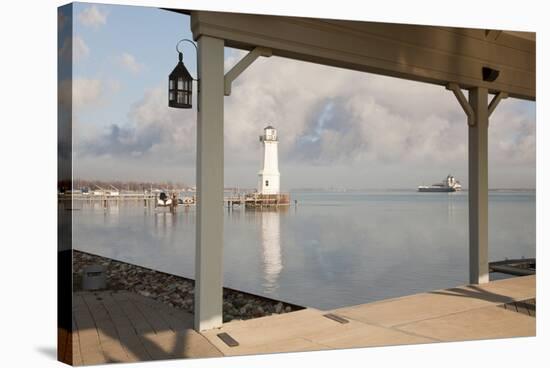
[(337, 128)]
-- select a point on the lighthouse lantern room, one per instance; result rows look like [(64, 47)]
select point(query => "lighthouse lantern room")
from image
[(269, 177)]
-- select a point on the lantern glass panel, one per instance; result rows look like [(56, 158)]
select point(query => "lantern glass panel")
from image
[(171, 96), (171, 86), (180, 83)]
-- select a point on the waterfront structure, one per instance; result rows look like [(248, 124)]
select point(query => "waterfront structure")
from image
[(482, 62), (450, 184), (452, 57), (269, 176)]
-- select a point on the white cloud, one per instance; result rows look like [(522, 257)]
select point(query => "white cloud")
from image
[(157, 133), (84, 93), (512, 134), (129, 62), (371, 119), (92, 17), (114, 85), (80, 48), (87, 92), (326, 117)]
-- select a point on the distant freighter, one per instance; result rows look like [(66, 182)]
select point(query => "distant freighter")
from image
[(448, 185)]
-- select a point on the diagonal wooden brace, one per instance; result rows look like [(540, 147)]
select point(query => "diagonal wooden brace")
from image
[(470, 113), (463, 102), (495, 101), (242, 65)]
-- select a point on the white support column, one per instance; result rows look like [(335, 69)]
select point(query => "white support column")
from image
[(478, 113), (209, 222), (478, 187)]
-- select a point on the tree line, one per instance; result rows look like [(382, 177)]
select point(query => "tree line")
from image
[(135, 186)]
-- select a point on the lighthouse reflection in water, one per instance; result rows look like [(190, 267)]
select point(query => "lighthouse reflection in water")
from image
[(271, 247)]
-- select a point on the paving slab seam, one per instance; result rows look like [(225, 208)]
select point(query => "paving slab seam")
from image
[(317, 343), (435, 339), (394, 329), (214, 346), (397, 326), (384, 301), (489, 304)]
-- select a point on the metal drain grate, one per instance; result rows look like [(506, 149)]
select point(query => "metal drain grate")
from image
[(336, 318), (229, 341)]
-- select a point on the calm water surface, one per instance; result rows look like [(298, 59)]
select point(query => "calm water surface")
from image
[(331, 250)]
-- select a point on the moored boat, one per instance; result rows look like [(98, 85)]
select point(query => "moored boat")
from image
[(163, 200)]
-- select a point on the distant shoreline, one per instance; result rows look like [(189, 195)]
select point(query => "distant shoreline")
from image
[(318, 190)]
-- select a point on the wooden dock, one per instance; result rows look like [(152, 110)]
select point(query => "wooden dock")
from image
[(125, 327), (120, 326), (259, 200), (232, 200), (515, 267)]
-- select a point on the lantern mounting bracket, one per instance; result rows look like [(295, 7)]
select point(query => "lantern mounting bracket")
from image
[(241, 66), (196, 53)]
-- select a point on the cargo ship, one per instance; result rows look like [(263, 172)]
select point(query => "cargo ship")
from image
[(450, 184)]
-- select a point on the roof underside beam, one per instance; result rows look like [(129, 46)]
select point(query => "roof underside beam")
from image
[(437, 55)]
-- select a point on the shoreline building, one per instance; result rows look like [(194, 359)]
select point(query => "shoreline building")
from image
[(269, 176)]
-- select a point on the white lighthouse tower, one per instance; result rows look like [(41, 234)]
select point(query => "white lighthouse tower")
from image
[(269, 177)]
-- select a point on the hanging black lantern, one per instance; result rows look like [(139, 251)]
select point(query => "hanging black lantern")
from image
[(180, 86)]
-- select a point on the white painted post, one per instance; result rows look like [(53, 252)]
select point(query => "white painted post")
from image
[(209, 222), (478, 187)]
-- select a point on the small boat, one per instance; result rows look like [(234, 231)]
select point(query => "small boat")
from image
[(186, 201), (163, 200), (450, 184)]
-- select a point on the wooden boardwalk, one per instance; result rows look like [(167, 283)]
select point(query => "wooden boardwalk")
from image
[(125, 327)]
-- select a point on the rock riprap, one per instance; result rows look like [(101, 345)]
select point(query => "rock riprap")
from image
[(174, 290)]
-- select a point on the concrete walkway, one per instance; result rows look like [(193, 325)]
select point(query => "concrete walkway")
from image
[(112, 326), (465, 313)]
